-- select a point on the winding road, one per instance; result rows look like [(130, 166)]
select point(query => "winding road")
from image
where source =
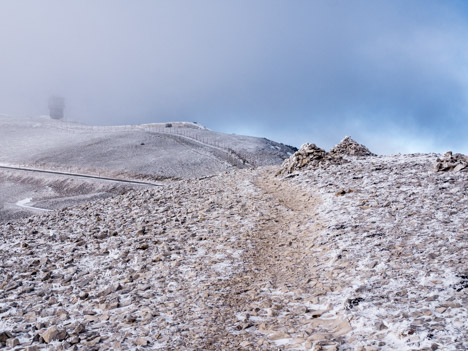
[(25, 204), (78, 175)]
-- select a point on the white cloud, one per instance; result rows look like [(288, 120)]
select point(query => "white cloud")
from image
[(314, 70)]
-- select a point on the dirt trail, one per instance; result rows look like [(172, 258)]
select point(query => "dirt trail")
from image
[(275, 302), (286, 235), (248, 261)]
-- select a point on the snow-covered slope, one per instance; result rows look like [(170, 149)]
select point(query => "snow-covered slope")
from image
[(151, 152), (175, 150)]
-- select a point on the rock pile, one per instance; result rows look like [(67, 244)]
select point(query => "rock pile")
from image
[(452, 162), (307, 157), (349, 147), (310, 156)]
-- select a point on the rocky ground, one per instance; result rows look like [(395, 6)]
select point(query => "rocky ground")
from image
[(367, 254)]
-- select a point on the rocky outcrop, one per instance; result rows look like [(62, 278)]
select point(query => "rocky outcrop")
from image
[(349, 147), (452, 162)]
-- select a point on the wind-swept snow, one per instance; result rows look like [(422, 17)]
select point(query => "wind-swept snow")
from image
[(336, 252)]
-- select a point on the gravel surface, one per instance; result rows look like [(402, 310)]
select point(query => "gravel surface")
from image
[(395, 233), (366, 255)]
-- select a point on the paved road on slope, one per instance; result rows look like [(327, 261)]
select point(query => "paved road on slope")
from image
[(79, 175), (25, 204)]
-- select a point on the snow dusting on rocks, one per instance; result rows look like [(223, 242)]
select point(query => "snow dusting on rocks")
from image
[(395, 233), (367, 254), (452, 162), (148, 268), (349, 147), (307, 157), (310, 156)]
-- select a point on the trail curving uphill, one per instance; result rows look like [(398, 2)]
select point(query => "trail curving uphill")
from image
[(216, 263)]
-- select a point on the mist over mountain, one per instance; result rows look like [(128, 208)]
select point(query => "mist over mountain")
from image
[(392, 73), (172, 175)]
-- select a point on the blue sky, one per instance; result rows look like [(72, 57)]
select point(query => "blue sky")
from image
[(392, 74)]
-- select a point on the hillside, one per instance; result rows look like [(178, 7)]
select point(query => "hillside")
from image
[(157, 151), (152, 153), (349, 253)]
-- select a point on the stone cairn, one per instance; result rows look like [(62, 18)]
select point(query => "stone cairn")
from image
[(349, 147), (452, 162), (310, 156)]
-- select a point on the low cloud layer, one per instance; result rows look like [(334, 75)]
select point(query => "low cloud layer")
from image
[(393, 74)]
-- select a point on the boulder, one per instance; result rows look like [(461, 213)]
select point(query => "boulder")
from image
[(53, 333)]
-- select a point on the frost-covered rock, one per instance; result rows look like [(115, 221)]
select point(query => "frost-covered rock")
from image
[(396, 247), (452, 162), (5, 335), (53, 334), (309, 156), (349, 147)]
